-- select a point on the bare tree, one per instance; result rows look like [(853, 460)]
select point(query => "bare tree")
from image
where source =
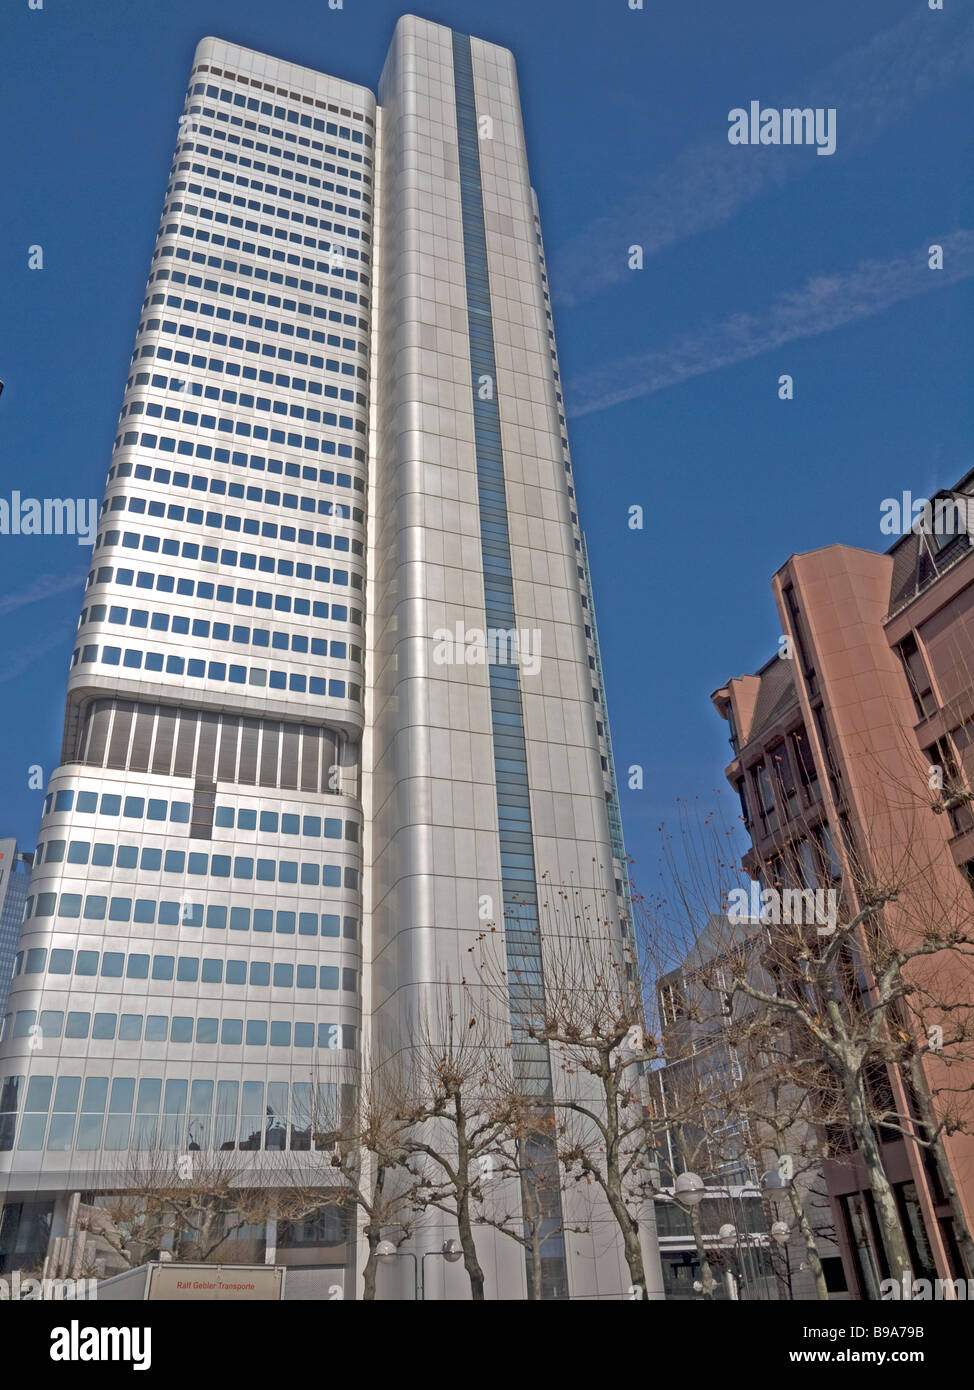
[(190, 1206), (843, 986), (454, 1114), (527, 1159), (366, 1139), (586, 1008)]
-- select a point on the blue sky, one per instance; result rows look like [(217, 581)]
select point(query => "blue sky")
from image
[(757, 262)]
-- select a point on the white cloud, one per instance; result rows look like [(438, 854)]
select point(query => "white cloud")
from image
[(44, 587), (711, 181), (821, 305)]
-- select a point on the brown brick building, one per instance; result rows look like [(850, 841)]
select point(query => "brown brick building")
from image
[(840, 745)]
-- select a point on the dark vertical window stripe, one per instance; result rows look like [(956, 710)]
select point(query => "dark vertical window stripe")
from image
[(532, 1063)]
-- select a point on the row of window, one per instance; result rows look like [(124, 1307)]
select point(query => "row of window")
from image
[(251, 248), (167, 445), (112, 805), (195, 864), (357, 137), (216, 521), (784, 782), (177, 190), (273, 301), (182, 164), (178, 185), (154, 809), (160, 1028), (303, 141), (225, 593), (228, 157), (338, 253), (207, 482), (222, 632), (271, 190), (268, 209), (197, 388), (180, 912), (257, 462), (250, 492), (296, 97), (183, 969), (210, 310), (217, 364), (247, 1115), (808, 862), (195, 668), (172, 913), (157, 411), (210, 554), (206, 335)]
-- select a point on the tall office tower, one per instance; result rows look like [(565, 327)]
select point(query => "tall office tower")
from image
[(14, 878), (285, 797)]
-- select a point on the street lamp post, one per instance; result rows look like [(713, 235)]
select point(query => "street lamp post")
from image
[(688, 1190), (387, 1252), (781, 1233), (775, 1183)]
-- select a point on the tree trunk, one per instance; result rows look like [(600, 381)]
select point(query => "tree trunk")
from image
[(630, 1230), (371, 1266), (373, 1234), (613, 1182), (884, 1200), (706, 1273), (470, 1262), (814, 1259), (531, 1202), (537, 1291)]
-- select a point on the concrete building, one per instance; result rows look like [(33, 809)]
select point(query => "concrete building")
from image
[(836, 752), (336, 693)]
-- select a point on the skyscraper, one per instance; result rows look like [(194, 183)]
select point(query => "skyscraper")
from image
[(336, 684)]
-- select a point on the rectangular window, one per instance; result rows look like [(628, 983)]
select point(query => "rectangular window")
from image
[(805, 763), (765, 796), (801, 640), (784, 777), (829, 858), (66, 1097), (821, 724), (918, 679), (953, 792)]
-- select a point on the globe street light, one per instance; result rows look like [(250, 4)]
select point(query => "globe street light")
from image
[(773, 1181), (689, 1189), (386, 1253)]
